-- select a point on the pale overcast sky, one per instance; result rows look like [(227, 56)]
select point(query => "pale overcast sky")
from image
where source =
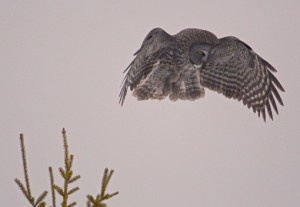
[(61, 66)]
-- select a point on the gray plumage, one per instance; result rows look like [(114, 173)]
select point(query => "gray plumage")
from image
[(180, 66)]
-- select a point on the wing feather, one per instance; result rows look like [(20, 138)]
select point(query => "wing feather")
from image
[(145, 72), (236, 71)]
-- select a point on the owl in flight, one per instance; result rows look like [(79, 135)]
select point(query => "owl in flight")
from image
[(181, 66)]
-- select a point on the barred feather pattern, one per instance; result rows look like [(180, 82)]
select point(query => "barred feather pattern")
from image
[(236, 71)]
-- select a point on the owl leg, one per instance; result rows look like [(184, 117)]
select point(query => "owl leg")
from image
[(175, 90), (193, 87), (170, 83), (154, 86)]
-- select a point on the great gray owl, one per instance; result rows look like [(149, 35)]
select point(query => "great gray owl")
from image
[(181, 65)]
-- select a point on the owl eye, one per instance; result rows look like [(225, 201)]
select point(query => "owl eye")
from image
[(201, 53)]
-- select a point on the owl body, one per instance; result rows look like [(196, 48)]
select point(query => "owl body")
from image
[(182, 65)]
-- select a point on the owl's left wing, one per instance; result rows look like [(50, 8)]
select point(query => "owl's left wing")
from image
[(236, 71)]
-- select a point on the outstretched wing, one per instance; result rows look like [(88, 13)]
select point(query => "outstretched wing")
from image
[(149, 77), (236, 71)]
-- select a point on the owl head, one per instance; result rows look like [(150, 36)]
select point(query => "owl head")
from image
[(199, 54)]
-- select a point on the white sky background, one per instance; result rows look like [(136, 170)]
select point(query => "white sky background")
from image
[(61, 65)]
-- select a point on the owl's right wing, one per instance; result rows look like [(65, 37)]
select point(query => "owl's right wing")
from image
[(236, 71), (148, 76)]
